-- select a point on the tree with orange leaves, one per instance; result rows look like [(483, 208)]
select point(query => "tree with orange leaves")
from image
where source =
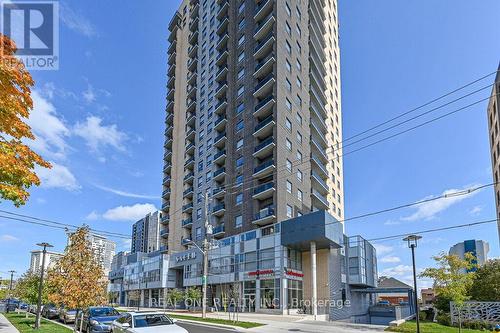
[(17, 160), (77, 280)]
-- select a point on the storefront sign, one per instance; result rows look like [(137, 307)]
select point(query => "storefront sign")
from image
[(185, 257), (260, 272), (292, 273)]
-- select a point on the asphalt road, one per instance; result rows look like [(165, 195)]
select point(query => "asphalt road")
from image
[(196, 328)]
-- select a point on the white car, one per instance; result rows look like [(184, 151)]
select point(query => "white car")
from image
[(145, 322)]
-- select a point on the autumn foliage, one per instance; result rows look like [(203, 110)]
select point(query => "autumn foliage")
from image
[(77, 280), (17, 160)]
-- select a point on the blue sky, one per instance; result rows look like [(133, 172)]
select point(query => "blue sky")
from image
[(101, 120)]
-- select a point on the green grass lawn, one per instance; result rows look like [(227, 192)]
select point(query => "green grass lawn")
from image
[(427, 327), (25, 325), (243, 324)]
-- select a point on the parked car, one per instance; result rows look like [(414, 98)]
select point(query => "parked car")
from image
[(32, 308), (96, 319), (67, 316), (383, 303), (50, 311), (142, 322)]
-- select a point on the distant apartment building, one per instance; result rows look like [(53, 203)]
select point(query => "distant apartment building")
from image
[(494, 135), (51, 259), (146, 234), (478, 248), (428, 296), (103, 249)]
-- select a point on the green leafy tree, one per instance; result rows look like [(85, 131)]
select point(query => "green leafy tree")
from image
[(451, 281), (174, 297), (27, 288), (192, 296), (486, 286)]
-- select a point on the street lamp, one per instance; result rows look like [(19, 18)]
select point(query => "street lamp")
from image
[(204, 251), (10, 288), (412, 244), (40, 285)]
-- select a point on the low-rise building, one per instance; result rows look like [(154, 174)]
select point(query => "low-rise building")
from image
[(428, 296), (275, 269), (397, 291)]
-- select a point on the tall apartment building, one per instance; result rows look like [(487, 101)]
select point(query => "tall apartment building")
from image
[(253, 116), (103, 248), (478, 248), (494, 135), (51, 259), (146, 233)]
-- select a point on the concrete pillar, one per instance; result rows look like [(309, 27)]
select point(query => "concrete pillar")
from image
[(141, 302), (258, 301), (314, 282), (150, 299)]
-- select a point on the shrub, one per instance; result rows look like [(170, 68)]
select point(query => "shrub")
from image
[(444, 319), (477, 325)]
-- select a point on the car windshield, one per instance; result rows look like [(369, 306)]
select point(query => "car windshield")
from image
[(151, 320), (71, 311), (103, 312)]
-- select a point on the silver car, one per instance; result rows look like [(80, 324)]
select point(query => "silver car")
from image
[(67, 316), (145, 322)]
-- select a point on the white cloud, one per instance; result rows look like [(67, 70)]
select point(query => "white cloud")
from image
[(126, 194), (92, 216), (429, 210), (49, 130), (89, 95), (383, 249), (397, 271), (129, 213), (97, 135), (391, 222), (58, 176), (8, 238), (390, 259), (476, 210), (76, 22)]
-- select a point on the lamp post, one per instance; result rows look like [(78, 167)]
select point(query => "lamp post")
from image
[(412, 241), (40, 285), (10, 289)]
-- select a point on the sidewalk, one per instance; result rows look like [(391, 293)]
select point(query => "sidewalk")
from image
[(6, 326)]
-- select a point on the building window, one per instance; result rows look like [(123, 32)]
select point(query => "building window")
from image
[(299, 118), (288, 104), (238, 221), (299, 65), (198, 213), (288, 124), (288, 47), (289, 186), (240, 108), (241, 73), (239, 162), (300, 195), (288, 66), (289, 211), (198, 233), (239, 180), (239, 198), (289, 165), (299, 83), (299, 138), (288, 29), (241, 90), (241, 8), (241, 56), (299, 175), (239, 125), (241, 40), (288, 10), (239, 144), (288, 144), (288, 85), (299, 156)]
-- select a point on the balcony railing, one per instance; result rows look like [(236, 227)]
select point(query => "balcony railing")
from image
[(264, 81), (218, 208), (263, 123), (266, 212), (187, 222), (219, 172), (218, 229), (263, 188), (264, 144), (188, 191), (263, 166), (187, 206)]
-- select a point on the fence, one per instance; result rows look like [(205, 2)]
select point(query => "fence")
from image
[(470, 311)]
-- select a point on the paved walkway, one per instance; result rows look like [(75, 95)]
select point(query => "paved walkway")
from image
[(6, 326)]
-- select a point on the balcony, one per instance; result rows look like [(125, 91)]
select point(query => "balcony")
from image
[(264, 169), (223, 10), (191, 78), (219, 192), (318, 200), (263, 9), (171, 58), (320, 149), (220, 157), (167, 167), (218, 231), (165, 219), (185, 241), (172, 47), (221, 74), (166, 205), (168, 143), (189, 163), (193, 26), (220, 123), (191, 107), (190, 119), (170, 94), (190, 148), (265, 86), (321, 185), (188, 193), (264, 191), (264, 27), (164, 233), (264, 67), (174, 21), (169, 119), (166, 193), (190, 135), (193, 37), (220, 140), (264, 47), (193, 51), (318, 119), (264, 107), (221, 57), (187, 208), (187, 223), (219, 210), (219, 174), (171, 83), (264, 148), (222, 43), (191, 64), (173, 34), (320, 166), (191, 92), (222, 27), (195, 10), (220, 107), (264, 217), (189, 177), (171, 70), (168, 131), (221, 89), (264, 128), (166, 180), (167, 156)]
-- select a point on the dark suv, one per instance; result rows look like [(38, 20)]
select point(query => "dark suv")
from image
[(96, 319)]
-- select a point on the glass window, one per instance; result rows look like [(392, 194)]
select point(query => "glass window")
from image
[(288, 47), (241, 56), (288, 66), (288, 144), (288, 10), (240, 108), (289, 165), (239, 198), (241, 73), (298, 117), (299, 137), (299, 175), (288, 124), (241, 40), (288, 104), (288, 29), (241, 90), (241, 8), (239, 162), (289, 211), (289, 186), (299, 156), (299, 195), (270, 293), (239, 125), (239, 144), (299, 82), (288, 85), (238, 221)]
